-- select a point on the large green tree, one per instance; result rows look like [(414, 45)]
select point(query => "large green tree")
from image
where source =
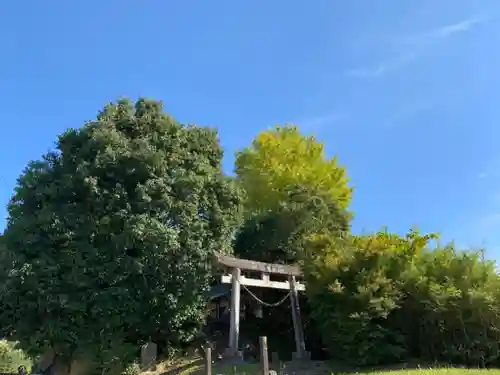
[(282, 158), (293, 191), (279, 235), (6, 260), (112, 232), (384, 298)]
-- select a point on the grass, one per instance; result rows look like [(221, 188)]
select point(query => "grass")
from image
[(241, 369), (195, 366), (447, 371), (442, 371), (254, 370)]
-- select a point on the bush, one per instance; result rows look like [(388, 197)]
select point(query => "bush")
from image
[(11, 357), (384, 298), (111, 234), (133, 369), (454, 295)]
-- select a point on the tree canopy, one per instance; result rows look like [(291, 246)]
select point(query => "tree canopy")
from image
[(281, 158), (109, 238), (382, 299), (111, 233), (278, 236)]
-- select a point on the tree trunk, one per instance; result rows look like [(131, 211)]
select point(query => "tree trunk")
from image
[(60, 366), (45, 362)]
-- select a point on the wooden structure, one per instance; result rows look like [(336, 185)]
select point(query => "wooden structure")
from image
[(236, 280)]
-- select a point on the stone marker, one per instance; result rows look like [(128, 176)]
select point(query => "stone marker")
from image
[(149, 352), (275, 359)]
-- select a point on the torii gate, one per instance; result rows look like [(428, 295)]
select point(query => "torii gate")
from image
[(236, 280)]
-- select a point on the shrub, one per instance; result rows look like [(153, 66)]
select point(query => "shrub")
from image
[(384, 298), (11, 357), (111, 234)]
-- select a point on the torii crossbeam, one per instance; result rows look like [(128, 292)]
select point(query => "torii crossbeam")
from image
[(236, 280)]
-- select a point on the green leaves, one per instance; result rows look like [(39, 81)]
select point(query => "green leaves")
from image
[(382, 298), (110, 231), (11, 358), (279, 235), (109, 235), (282, 158)]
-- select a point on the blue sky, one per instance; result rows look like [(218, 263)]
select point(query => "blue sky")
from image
[(404, 92)]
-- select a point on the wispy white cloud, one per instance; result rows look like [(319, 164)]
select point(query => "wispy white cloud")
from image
[(413, 109), (383, 67), (442, 32), (317, 123), (410, 47), (472, 230), (491, 170), (417, 107), (490, 219), (495, 198)]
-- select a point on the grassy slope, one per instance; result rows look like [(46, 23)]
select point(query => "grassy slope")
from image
[(254, 370), (447, 371), (194, 366)]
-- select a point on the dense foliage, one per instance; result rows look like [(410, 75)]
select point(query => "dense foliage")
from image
[(111, 234), (108, 239), (11, 358), (277, 236), (373, 299), (282, 158), (382, 299)]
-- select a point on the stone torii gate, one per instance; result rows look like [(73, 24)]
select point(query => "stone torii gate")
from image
[(236, 280)]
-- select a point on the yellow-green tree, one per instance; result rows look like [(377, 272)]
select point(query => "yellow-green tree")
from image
[(282, 158), (383, 298)]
